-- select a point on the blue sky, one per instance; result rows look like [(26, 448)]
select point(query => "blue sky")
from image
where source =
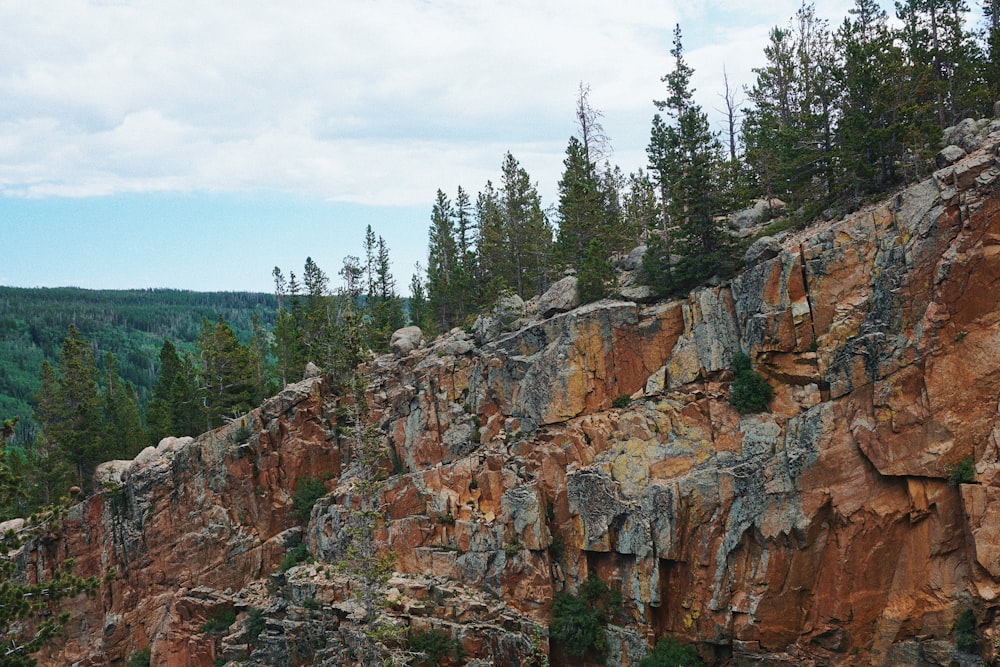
[(197, 145)]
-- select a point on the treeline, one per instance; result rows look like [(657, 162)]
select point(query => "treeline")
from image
[(836, 115), (131, 324), (87, 412)]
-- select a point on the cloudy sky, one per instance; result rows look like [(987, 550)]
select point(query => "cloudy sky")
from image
[(196, 145)]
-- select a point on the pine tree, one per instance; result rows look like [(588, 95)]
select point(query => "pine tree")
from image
[(686, 156), (385, 306), (227, 374), (493, 276), (69, 407), (288, 346), (441, 263), (868, 130), (419, 312), (124, 433), (789, 129), (29, 614), (596, 275), (580, 206), (527, 232)]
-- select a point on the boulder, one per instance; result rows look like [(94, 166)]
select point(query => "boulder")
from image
[(949, 155), (406, 340), (311, 371), (757, 213), (560, 298), (761, 250)]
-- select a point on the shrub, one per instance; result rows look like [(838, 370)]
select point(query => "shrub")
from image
[(312, 604), (622, 401), (139, 659), (307, 491), (255, 624), (963, 472), (297, 554), (513, 548), (243, 433), (749, 391), (434, 645), (966, 637), (219, 621), (578, 620), (446, 519), (669, 652)]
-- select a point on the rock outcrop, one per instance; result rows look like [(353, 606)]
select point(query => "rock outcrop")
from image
[(601, 440)]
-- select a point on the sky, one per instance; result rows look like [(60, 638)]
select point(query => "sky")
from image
[(197, 145)]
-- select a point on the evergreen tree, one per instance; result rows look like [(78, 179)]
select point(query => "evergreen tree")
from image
[(441, 263), (527, 232), (640, 208), (69, 407), (288, 346), (686, 156), (789, 130), (492, 260), (29, 615), (581, 207), (227, 373), (868, 130), (596, 275), (419, 312), (385, 306), (124, 434)]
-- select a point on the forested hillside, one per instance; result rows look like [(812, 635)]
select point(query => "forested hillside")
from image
[(130, 324)]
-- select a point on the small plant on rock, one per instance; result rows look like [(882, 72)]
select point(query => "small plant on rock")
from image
[(307, 491), (622, 401), (255, 624), (966, 636), (578, 621), (749, 391), (669, 652), (433, 646), (139, 659), (963, 472), (219, 621)]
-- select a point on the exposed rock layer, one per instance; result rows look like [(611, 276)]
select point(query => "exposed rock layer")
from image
[(822, 532)]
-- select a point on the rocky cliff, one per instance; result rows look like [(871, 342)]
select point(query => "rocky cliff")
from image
[(601, 440)]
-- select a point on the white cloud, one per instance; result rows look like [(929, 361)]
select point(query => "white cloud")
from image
[(371, 101)]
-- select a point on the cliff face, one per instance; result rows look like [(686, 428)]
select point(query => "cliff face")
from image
[(821, 532)]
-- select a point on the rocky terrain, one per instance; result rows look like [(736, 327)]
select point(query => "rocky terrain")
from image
[(556, 441)]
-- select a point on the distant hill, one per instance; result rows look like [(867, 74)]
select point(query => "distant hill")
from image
[(131, 324)]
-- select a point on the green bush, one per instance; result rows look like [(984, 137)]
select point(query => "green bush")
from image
[(255, 624), (298, 553), (622, 401), (139, 659), (669, 652), (966, 636), (963, 472), (749, 391), (434, 645), (578, 621), (307, 491), (219, 621)]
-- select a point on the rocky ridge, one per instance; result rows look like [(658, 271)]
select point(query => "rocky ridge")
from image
[(537, 450)]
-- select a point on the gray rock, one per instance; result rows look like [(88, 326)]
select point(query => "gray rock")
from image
[(757, 213), (561, 297), (949, 155), (633, 261), (639, 294), (312, 371), (761, 250), (406, 340)]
